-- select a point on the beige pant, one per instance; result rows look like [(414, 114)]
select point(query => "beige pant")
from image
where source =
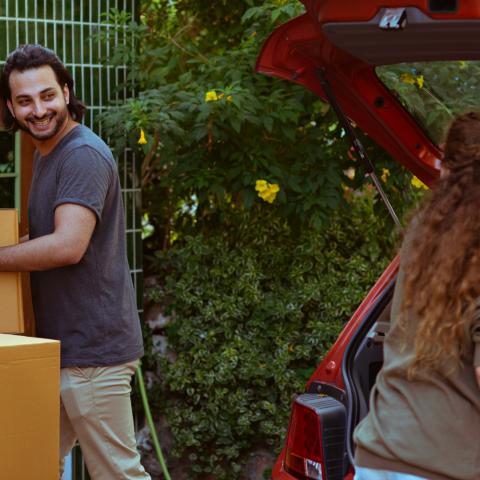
[(95, 409)]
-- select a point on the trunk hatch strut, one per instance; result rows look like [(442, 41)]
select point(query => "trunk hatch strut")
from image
[(355, 141)]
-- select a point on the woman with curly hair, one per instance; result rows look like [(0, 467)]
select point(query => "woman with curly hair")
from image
[(424, 419)]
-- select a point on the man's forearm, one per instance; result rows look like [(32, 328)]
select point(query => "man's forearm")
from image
[(43, 253)]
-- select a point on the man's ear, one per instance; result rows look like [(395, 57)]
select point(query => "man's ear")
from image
[(10, 107), (66, 94)]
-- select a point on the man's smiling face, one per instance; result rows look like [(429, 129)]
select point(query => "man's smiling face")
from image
[(38, 103)]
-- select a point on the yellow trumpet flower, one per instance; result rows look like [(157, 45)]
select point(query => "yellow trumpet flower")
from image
[(385, 174), (407, 78), (417, 183), (267, 191), (211, 96), (142, 140), (410, 79)]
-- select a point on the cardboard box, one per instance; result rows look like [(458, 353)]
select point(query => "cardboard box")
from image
[(29, 408), (11, 303)]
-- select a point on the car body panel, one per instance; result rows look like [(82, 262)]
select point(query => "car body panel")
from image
[(329, 370), (298, 48)]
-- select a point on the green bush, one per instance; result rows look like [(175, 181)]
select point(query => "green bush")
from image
[(255, 311), (212, 131)]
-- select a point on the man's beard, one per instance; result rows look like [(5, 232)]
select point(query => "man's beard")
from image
[(58, 117)]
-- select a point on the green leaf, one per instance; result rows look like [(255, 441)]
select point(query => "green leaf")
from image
[(268, 123)]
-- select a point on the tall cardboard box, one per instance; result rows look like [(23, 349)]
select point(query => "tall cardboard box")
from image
[(29, 408), (11, 305)]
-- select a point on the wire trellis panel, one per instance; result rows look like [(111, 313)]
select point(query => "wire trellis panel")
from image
[(69, 27)]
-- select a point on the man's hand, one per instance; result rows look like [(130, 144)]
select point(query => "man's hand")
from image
[(477, 374), (68, 243)]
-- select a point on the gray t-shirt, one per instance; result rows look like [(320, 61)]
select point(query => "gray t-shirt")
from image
[(90, 307)]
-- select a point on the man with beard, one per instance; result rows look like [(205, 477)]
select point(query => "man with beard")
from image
[(81, 286)]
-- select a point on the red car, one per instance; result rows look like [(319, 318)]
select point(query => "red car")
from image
[(400, 71)]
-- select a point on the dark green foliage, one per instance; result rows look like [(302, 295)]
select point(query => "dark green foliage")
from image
[(257, 128), (254, 314)]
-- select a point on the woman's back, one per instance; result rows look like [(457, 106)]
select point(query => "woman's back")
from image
[(424, 414), (427, 427)]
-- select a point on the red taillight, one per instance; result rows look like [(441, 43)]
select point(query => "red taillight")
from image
[(304, 454), (315, 448)]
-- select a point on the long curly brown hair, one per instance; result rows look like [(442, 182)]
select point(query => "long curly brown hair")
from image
[(442, 275)]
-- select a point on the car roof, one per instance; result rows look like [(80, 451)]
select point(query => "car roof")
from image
[(348, 39)]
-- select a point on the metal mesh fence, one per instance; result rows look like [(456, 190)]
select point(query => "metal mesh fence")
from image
[(69, 27)]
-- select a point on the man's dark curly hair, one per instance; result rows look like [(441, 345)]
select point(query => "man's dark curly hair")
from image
[(26, 57)]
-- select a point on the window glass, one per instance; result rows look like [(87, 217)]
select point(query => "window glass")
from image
[(434, 92)]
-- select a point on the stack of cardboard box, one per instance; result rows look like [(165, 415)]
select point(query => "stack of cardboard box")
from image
[(29, 383)]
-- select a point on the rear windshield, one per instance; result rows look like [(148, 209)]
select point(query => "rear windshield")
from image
[(434, 92)]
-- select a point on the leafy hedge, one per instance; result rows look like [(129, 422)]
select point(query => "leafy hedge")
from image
[(255, 312)]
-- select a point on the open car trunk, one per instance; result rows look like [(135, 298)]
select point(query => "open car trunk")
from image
[(363, 360)]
